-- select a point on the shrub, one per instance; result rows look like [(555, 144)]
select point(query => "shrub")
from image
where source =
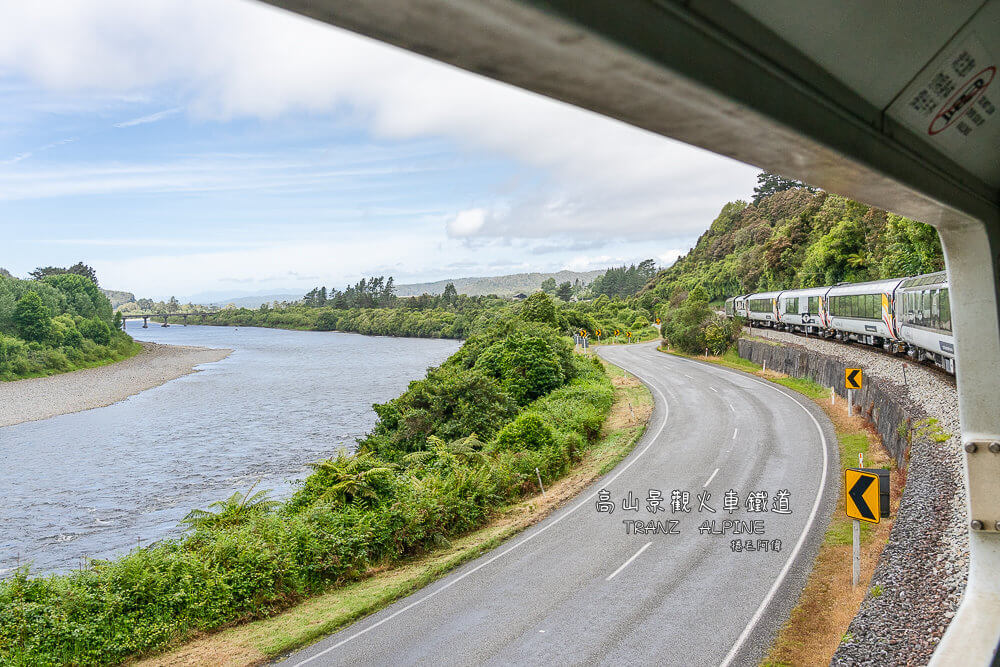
[(527, 367), (528, 431), (32, 318), (96, 330)]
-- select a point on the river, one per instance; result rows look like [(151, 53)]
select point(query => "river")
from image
[(96, 484)]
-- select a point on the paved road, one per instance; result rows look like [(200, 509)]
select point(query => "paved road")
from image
[(576, 589)]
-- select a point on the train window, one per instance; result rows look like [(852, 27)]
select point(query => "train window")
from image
[(792, 305), (813, 305), (935, 314), (945, 323), (925, 308)]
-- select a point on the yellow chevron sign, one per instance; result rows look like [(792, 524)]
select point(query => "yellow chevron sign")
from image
[(862, 501), (852, 378)]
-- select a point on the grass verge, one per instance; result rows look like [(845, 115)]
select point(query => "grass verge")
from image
[(259, 641), (828, 602)]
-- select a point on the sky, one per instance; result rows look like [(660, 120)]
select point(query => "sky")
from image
[(225, 147)]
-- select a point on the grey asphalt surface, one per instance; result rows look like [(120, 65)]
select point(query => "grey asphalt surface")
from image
[(545, 597)]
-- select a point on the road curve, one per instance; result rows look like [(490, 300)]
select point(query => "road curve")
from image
[(576, 589)]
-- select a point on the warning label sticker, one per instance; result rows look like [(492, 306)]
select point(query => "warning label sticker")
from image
[(955, 99)]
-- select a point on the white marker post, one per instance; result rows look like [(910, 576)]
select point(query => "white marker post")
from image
[(540, 481), (833, 396), (850, 402), (857, 552)]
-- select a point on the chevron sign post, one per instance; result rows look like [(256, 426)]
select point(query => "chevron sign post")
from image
[(867, 499)]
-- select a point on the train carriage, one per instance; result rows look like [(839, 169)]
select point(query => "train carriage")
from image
[(911, 315), (923, 313), (762, 309), (736, 306), (803, 309), (864, 312)]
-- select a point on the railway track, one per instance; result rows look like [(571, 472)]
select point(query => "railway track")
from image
[(873, 348)]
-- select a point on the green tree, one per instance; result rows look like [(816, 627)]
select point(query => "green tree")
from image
[(527, 367), (684, 326), (84, 270), (96, 330), (173, 305), (32, 319), (549, 285), (565, 291), (45, 271), (838, 256), (769, 184), (539, 308), (450, 294)]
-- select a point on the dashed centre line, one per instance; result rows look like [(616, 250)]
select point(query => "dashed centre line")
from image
[(714, 389), (735, 431), (629, 561), (709, 481)]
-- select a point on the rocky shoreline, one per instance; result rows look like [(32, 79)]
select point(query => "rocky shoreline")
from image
[(41, 398)]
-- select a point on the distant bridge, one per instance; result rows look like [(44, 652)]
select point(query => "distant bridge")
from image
[(164, 316)]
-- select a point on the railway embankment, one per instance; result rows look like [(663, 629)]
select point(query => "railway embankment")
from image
[(921, 574)]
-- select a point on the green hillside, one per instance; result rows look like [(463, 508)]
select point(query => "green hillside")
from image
[(798, 238)]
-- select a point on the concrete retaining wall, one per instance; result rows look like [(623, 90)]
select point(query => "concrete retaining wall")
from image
[(876, 402)]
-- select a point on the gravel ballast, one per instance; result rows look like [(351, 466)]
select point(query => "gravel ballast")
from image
[(921, 574), (41, 398)]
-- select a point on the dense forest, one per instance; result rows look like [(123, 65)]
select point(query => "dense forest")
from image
[(513, 406), (798, 237), (623, 282), (58, 321)]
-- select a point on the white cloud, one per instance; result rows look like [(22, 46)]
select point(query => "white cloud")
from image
[(466, 223), (229, 58), (151, 118)]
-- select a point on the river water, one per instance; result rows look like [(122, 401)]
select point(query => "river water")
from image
[(96, 484)]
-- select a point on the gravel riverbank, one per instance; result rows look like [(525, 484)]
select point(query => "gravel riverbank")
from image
[(41, 398), (921, 574)]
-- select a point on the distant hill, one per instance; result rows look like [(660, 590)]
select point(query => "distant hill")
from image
[(118, 298), (473, 286), (500, 285)]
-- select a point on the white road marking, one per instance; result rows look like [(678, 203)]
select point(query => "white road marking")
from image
[(714, 389), (731, 407), (710, 478), (449, 584), (628, 562), (688, 376), (735, 431), (741, 640)]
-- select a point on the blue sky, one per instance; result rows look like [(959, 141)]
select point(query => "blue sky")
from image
[(228, 147)]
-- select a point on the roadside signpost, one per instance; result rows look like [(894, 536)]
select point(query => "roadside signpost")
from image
[(852, 381), (866, 499)]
